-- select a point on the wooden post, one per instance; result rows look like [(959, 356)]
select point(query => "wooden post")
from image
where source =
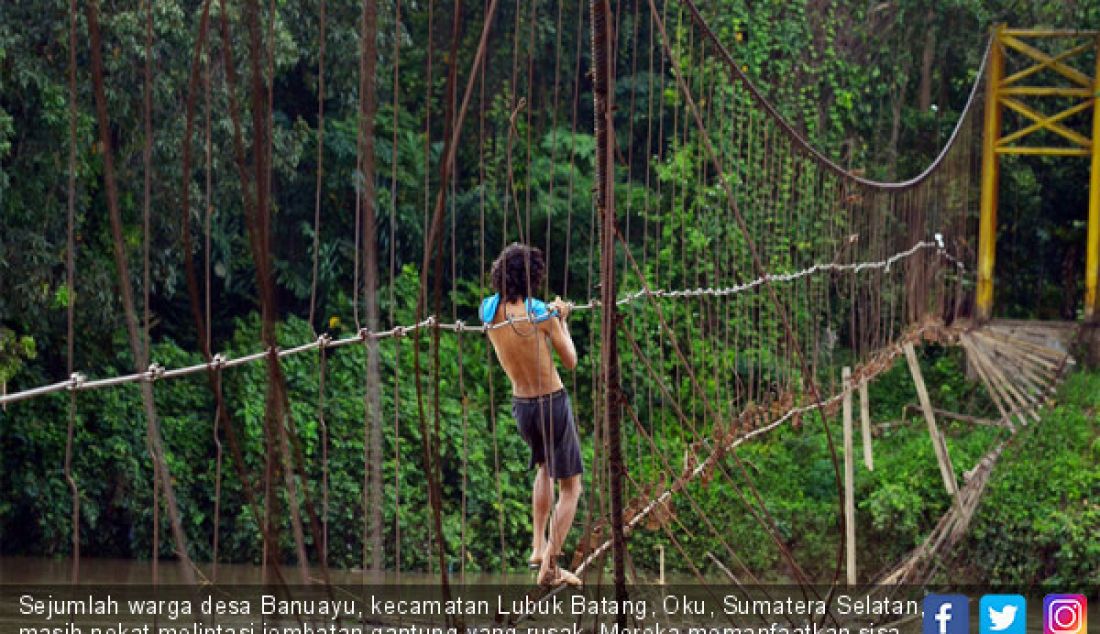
[(865, 424), (661, 564), (849, 480), (938, 444)]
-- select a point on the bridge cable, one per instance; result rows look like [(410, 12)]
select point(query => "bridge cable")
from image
[(319, 187), (147, 178), (208, 220), (803, 143), (70, 304)]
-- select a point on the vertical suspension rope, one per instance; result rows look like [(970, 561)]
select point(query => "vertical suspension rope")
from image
[(605, 204), (209, 190), (217, 495), (530, 108), (290, 444), (320, 170), (426, 443), (275, 410), (465, 457), (70, 307), (428, 124), (203, 326), (630, 179), (646, 210), (452, 105), (147, 163), (575, 103), (372, 432), (436, 246), (578, 41), (397, 454), (322, 363), (209, 208), (554, 139), (484, 291), (293, 463), (147, 180), (139, 353), (430, 462), (357, 183), (250, 204), (393, 297)]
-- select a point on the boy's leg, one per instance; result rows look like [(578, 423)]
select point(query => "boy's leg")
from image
[(542, 498), (569, 493)]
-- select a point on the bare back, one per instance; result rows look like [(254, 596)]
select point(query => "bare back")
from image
[(526, 350)]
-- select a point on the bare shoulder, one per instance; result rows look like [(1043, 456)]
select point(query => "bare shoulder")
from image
[(551, 325)]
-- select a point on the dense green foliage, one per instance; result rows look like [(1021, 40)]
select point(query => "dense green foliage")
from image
[(1044, 522), (117, 509), (848, 76)]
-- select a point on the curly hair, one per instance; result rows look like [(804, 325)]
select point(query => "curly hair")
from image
[(517, 272)]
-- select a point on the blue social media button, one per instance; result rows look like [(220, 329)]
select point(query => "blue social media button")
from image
[(1002, 614), (945, 614)]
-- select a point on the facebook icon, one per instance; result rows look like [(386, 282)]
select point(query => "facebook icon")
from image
[(946, 614)]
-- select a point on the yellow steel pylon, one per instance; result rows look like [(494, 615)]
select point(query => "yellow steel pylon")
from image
[(1005, 92)]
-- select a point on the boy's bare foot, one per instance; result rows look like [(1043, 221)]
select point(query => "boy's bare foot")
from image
[(550, 575), (534, 561)]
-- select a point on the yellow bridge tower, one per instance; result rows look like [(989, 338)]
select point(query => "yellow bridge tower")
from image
[(1005, 92)]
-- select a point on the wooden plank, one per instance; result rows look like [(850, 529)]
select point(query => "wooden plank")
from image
[(1031, 381), (938, 444), (865, 425), (1020, 340), (1025, 405), (1015, 366), (849, 480), (1049, 359), (994, 390)]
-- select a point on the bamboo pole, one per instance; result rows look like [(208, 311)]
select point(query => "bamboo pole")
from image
[(865, 425), (991, 387), (849, 480), (938, 444)]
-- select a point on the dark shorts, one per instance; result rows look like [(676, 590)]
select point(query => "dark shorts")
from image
[(547, 426)]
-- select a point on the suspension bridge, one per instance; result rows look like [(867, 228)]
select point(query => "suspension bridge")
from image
[(727, 260)]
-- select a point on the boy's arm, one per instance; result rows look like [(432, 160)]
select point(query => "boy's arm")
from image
[(558, 330)]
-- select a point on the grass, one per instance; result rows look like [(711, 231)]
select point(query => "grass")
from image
[(1039, 523)]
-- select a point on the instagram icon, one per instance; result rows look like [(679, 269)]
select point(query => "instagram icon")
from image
[(1065, 614)]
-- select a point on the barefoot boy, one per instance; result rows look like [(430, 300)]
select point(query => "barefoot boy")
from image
[(525, 329)]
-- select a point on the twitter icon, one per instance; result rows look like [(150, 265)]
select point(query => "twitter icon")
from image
[(1002, 614)]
